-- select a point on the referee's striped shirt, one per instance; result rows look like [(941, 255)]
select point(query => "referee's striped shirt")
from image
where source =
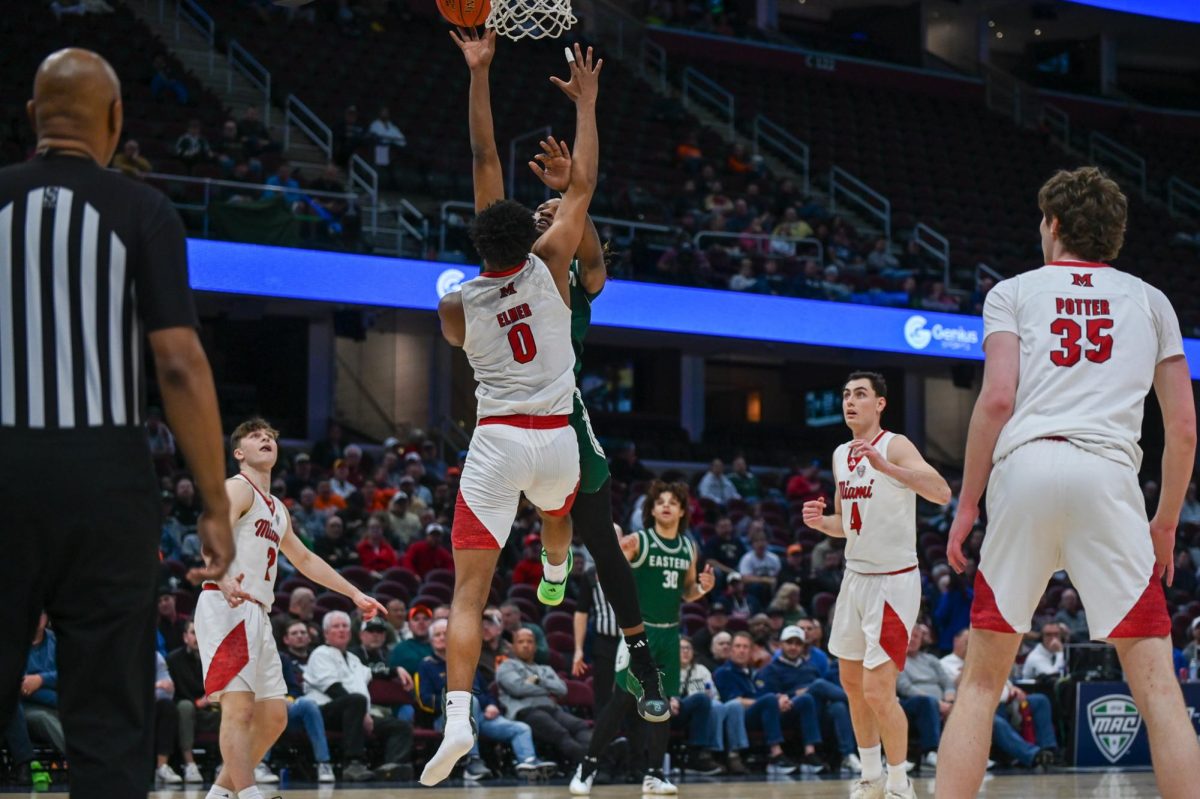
[(593, 602), (89, 260)]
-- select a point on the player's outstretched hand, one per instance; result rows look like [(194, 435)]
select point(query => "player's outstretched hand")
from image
[(585, 78), (964, 521), (216, 545), (814, 512), (707, 578), (477, 50), (553, 164), (1162, 533), (369, 606)]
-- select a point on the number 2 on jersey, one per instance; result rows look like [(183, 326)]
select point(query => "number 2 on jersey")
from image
[(520, 338), (1070, 332), (270, 563), (855, 518)]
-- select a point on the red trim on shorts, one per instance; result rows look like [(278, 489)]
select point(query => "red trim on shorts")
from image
[(1077, 264), (1054, 438), (885, 574), (985, 615), (566, 506), (1148, 617), (468, 532), (506, 272), (893, 636), (231, 657), (528, 422)]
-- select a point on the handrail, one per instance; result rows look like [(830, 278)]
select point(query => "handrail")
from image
[(363, 174), (721, 234), (1057, 121), (239, 184), (1182, 193), (698, 85), (542, 132), (652, 63), (784, 143), (1101, 147), (298, 114), (926, 238), (987, 270), (858, 192), (241, 61), (627, 224), (193, 14), (1003, 93), (422, 220)]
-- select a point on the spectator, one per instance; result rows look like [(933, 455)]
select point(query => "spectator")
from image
[(426, 554), (335, 547), (760, 710), (404, 523), (1191, 652), (759, 568), (431, 683), (1048, 658), (255, 137), (714, 485), (305, 513), (170, 623), (326, 500), (166, 723), (953, 611), (302, 711), (495, 649), (926, 693), (828, 578), (162, 443), (688, 153), (880, 260), (374, 552), (938, 299), (626, 467), (388, 140), (696, 686), (192, 708), (745, 482), (295, 200), (338, 683), (718, 203), (163, 81), (1071, 616), (330, 448), (745, 279), (790, 227), (793, 570), (39, 689), (718, 652), (409, 653), (725, 549), (1190, 513), (510, 616), (740, 603), (302, 605), (832, 285), (348, 137), (334, 207), (191, 147), (528, 570), (529, 692), (414, 469), (787, 603), (714, 624), (739, 162), (772, 281), (131, 162), (983, 285)]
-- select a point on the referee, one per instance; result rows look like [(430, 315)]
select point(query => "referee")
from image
[(606, 638), (89, 260)]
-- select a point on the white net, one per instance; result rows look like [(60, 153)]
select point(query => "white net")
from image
[(534, 19)]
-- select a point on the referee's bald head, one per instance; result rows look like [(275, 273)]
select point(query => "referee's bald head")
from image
[(76, 105)]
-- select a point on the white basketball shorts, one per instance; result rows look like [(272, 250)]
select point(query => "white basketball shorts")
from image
[(237, 648), (1052, 505), (511, 455), (874, 617)]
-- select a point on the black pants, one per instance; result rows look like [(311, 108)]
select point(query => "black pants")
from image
[(553, 726), (604, 669), (346, 713), (90, 560), (166, 726)]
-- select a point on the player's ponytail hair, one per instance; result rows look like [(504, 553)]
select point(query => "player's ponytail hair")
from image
[(656, 489)]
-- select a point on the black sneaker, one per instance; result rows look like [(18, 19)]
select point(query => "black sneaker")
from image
[(651, 704), (734, 765), (701, 762), (812, 763), (1045, 758), (355, 771), (781, 766), (394, 772), (476, 770)]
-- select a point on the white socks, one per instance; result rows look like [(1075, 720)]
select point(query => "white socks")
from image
[(872, 762), (553, 573), (457, 738), (217, 792), (250, 793), (897, 777)]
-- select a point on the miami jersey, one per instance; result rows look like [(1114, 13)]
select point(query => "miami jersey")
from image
[(518, 341), (879, 514), (1090, 339), (257, 536)]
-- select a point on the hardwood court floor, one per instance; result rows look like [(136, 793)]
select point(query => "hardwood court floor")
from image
[(1090, 785)]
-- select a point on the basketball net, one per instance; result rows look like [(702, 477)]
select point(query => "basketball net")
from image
[(533, 19)]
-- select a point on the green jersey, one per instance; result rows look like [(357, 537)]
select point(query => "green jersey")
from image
[(581, 314), (660, 568)]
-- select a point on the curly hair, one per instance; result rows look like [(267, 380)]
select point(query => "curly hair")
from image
[(658, 488), (1090, 209), (503, 233), (251, 426)]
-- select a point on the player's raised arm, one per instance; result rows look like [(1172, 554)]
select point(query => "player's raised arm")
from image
[(558, 244), (485, 159), (905, 465)]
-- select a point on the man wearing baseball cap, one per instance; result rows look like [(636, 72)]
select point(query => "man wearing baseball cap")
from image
[(528, 570), (408, 654), (793, 566), (718, 617)]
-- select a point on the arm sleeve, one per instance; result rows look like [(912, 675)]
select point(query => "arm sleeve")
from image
[(161, 271), (1166, 323), (1000, 309)]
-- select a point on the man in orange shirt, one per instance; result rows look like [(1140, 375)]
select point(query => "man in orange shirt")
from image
[(326, 500)]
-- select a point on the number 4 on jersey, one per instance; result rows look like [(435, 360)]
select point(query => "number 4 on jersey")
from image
[(855, 518)]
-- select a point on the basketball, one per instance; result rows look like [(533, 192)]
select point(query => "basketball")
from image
[(465, 13)]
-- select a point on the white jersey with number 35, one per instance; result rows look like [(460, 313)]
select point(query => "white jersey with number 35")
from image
[(257, 536), (1090, 337), (518, 341), (879, 514)]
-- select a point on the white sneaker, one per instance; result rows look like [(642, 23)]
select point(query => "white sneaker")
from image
[(868, 789), (325, 773), (930, 760), (990, 763), (166, 774), (907, 792), (655, 786), (191, 773), (580, 785), (263, 774), (851, 763)]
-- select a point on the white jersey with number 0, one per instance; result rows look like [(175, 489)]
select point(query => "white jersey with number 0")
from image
[(879, 514), (518, 341), (1090, 337), (257, 536)]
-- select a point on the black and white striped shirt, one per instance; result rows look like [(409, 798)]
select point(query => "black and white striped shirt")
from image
[(89, 259), (593, 602)]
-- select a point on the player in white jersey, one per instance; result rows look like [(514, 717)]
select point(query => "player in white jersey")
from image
[(514, 324), (879, 475), (241, 665), (1072, 350)]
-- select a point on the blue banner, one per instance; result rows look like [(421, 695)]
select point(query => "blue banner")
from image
[(1109, 730), (370, 280), (1182, 10)]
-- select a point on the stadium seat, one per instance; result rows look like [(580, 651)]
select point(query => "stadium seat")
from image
[(558, 622)]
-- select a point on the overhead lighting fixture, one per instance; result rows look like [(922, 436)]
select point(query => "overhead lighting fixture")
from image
[(1037, 31), (999, 34)]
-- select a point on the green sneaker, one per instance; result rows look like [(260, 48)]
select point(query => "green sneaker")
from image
[(41, 777), (550, 593)]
